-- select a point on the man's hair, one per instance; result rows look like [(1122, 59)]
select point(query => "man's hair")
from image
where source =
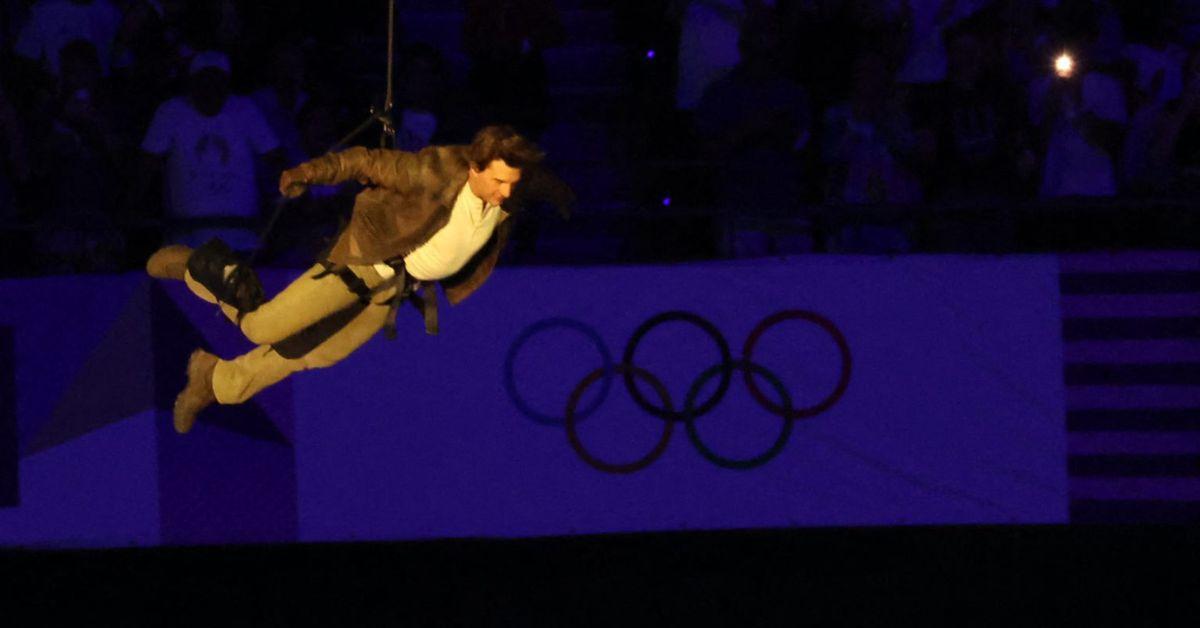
[(502, 142)]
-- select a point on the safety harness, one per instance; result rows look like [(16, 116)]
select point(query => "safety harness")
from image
[(408, 288)]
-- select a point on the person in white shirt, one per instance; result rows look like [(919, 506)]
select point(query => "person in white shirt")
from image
[(1083, 117), (209, 141)]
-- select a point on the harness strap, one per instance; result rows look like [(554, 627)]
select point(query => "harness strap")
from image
[(423, 296), (403, 288), (427, 303)]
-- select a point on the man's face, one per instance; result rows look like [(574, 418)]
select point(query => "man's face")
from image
[(495, 183), (209, 89)]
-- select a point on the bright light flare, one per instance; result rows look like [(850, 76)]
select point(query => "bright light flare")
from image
[(1064, 65)]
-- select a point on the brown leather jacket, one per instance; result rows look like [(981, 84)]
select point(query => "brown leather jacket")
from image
[(409, 198)]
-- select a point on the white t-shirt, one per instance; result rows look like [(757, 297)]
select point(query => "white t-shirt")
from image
[(54, 23), (210, 160), (1074, 166), (449, 249)]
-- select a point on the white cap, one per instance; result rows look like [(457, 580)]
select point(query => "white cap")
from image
[(209, 59)]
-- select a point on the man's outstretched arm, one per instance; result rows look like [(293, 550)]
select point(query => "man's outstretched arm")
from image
[(376, 166)]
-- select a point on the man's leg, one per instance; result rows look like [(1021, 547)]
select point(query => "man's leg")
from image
[(303, 302), (234, 381)]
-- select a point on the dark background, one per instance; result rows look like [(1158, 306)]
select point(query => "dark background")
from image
[(652, 151), (1032, 575)]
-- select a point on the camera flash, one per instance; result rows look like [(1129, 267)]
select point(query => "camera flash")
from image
[(1064, 65)]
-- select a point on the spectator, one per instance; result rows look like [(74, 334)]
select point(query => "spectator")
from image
[(317, 123), (54, 23), (143, 56), (84, 128), (754, 123), (1157, 71), (708, 47), (209, 140), (1025, 36), (14, 161), (1082, 118), (976, 119), (304, 229), (282, 99), (1153, 158), (505, 40), (151, 54), (77, 231), (869, 149), (213, 24), (868, 143), (925, 61), (420, 97)]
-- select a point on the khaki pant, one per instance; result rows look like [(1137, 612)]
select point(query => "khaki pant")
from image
[(302, 303)]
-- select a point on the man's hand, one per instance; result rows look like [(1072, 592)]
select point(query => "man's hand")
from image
[(293, 182)]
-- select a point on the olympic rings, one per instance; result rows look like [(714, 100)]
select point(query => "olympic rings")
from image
[(707, 328), (838, 338), (538, 327), (573, 436), (691, 410), (731, 463)]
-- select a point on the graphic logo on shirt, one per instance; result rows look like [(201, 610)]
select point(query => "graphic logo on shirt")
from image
[(212, 147)]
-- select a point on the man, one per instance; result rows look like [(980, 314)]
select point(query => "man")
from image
[(429, 217), (209, 141)]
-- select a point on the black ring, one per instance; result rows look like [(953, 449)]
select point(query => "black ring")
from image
[(573, 436), (706, 327), (510, 381), (838, 338), (733, 463)]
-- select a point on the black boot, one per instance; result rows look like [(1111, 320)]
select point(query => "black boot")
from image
[(241, 288)]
